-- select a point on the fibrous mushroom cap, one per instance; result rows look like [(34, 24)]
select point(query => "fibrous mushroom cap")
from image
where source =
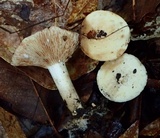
[(122, 79), (104, 35), (46, 47)]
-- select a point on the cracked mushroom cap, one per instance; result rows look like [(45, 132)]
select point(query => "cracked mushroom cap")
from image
[(122, 79), (46, 47), (104, 35)]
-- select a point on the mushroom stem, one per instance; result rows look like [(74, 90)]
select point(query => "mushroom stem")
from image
[(64, 84)]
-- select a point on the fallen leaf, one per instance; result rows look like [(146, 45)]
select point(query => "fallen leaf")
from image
[(43, 76), (17, 89), (9, 126), (131, 11), (66, 7), (8, 44), (151, 129), (80, 64), (81, 8), (144, 7), (23, 15), (132, 131), (84, 86)]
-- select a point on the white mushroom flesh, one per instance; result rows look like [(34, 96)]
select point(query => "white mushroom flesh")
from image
[(66, 89), (122, 79)]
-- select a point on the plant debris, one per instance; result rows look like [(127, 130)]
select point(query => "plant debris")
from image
[(32, 107)]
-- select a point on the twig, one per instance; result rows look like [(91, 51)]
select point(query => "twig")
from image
[(133, 8)]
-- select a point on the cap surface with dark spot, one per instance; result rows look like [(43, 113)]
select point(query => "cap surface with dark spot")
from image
[(121, 82), (104, 35)]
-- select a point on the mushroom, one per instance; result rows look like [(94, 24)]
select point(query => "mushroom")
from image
[(104, 35), (122, 79), (50, 49)]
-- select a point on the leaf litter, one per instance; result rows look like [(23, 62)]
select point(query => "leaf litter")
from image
[(109, 124)]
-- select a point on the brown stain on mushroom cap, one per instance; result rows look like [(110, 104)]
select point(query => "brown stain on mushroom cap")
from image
[(120, 52), (122, 36), (113, 64)]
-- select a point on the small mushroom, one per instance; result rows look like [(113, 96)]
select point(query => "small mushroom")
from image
[(122, 79), (50, 49), (104, 35)]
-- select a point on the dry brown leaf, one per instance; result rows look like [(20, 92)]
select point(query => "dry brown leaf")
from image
[(80, 64), (132, 10), (42, 77), (8, 44), (66, 8), (9, 126), (151, 129), (84, 86), (145, 9), (81, 8), (30, 17), (16, 89), (132, 131)]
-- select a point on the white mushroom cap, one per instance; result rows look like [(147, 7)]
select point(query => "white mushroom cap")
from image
[(122, 79), (104, 35)]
